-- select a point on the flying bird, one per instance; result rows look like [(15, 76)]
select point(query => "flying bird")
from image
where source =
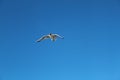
[(51, 36)]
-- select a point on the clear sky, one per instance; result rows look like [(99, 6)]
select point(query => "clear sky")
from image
[(90, 49)]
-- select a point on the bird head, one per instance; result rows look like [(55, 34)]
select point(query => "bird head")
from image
[(50, 33)]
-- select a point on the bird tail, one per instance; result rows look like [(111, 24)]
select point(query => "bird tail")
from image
[(53, 40)]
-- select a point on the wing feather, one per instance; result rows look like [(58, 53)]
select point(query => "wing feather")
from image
[(59, 36), (42, 38)]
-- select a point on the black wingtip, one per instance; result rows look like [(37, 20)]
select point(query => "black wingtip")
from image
[(37, 41)]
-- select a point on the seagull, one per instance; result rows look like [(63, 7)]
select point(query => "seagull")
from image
[(51, 36)]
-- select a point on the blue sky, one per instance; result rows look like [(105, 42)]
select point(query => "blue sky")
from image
[(90, 49)]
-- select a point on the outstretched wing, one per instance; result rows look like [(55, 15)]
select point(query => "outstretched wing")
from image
[(42, 38), (59, 36)]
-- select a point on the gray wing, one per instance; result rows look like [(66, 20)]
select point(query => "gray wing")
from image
[(59, 36), (42, 38)]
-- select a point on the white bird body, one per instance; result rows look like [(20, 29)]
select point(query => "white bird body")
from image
[(53, 37)]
